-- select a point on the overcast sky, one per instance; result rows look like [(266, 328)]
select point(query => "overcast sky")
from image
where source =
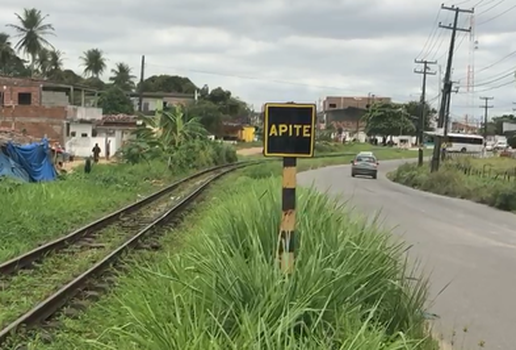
[(301, 50)]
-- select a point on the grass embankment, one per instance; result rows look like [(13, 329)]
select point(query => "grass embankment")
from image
[(32, 214), (222, 289), (490, 181)]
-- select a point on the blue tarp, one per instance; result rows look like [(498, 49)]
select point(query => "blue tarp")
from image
[(34, 159), (9, 168)]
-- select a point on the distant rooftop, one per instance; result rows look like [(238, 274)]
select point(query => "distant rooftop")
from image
[(10, 81)]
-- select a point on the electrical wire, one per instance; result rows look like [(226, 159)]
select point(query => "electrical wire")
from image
[(493, 64), (497, 16), (441, 42), (462, 2), (283, 82), (513, 82), (494, 79), (492, 7), (457, 47), (432, 34)]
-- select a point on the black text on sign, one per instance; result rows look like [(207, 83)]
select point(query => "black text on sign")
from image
[(289, 130)]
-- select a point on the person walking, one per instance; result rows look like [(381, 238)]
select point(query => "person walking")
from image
[(96, 153)]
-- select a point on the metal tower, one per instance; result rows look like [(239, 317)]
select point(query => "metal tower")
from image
[(470, 77)]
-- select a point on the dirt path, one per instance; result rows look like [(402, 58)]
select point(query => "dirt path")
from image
[(250, 151)]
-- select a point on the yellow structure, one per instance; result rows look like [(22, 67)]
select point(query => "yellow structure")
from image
[(246, 134)]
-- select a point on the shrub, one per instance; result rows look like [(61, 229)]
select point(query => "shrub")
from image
[(223, 290), (455, 180)]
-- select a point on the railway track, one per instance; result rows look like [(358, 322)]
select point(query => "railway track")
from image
[(36, 285)]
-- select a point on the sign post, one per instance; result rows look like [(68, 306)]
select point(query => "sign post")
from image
[(289, 133)]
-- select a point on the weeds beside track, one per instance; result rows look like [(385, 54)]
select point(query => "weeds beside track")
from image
[(61, 269)]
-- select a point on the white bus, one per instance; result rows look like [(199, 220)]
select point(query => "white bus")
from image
[(464, 143)]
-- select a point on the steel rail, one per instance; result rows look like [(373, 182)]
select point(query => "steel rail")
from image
[(56, 301), (26, 259)]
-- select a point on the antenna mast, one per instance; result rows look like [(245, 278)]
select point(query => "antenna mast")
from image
[(470, 79)]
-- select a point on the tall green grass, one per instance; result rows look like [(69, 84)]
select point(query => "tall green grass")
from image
[(350, 290), (453, 182), (34, 213)]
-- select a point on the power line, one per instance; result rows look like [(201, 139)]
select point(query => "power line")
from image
[(495, 63), (498, 15), (492, 7), (497, 87), (432, 33), (275, 81), (497, 79), (461, 41), (439, 42)]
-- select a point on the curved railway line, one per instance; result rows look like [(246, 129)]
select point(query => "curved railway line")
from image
[(97, 246)]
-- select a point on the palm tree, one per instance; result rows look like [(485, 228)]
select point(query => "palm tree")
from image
[(42, 62), (32, 30), (122, 77), (7, 52), (93, 62)]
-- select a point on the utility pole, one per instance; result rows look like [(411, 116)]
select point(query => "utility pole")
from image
[(447, 87), (447, 120), (142, 78), (425, 71), (486, 108)]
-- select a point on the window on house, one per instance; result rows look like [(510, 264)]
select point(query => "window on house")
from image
[(24, 98), (333, 105), (84, 134), (73, 134), (93, 133), (145, 107), (67, 129)]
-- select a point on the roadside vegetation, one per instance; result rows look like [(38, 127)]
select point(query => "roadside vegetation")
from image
[(488, 181), (215, 283)]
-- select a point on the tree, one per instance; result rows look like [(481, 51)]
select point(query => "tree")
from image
[(93, 62), (413, 109), (495, 126), (387, 119), (115, 101), (227, 104), (10, 63), (122, 77), (169, 83), (32, 30), (49, 63), (208, 114)]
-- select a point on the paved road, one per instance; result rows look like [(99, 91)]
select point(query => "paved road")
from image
[(470, 246)]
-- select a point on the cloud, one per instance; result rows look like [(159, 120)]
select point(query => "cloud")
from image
[(301, 50)]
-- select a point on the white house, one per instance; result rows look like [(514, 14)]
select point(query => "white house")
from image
[(111, 129)]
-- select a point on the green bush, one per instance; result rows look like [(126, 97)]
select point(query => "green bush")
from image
[(454, 180), (223, 290), (197, 154)]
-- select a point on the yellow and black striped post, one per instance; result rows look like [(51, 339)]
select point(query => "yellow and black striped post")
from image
[(287, 241)]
